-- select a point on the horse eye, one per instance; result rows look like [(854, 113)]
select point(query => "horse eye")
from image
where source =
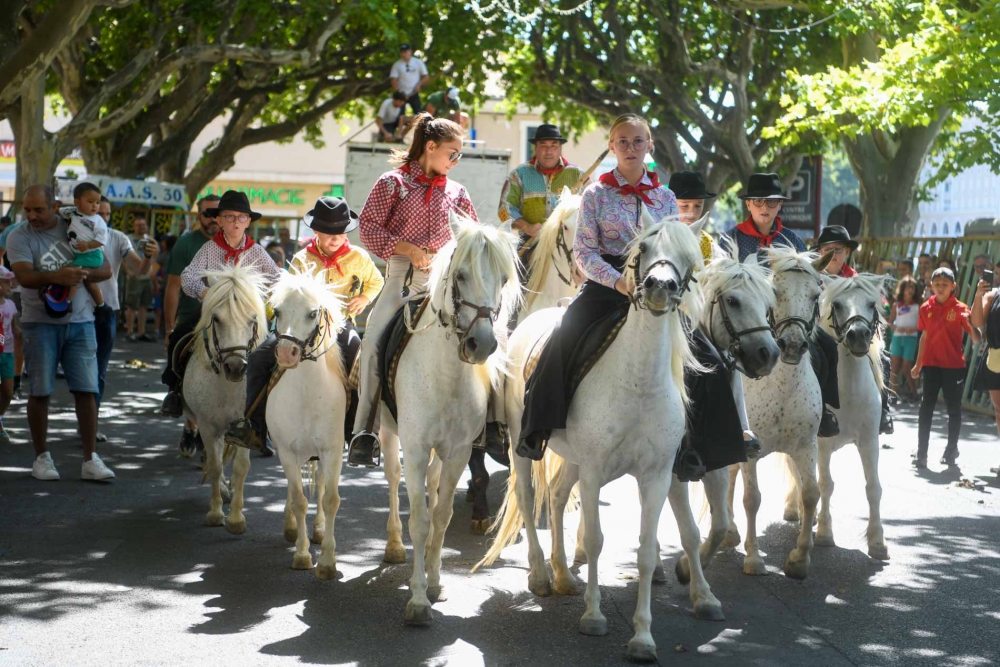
[(275, 311), (460, 276), (733, 301), (643, 247), (313, 314)]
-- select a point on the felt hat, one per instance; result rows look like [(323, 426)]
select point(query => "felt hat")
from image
[(835, 234), (331, 215), (233, 201), (764, 186), (688, 185), (548, 132)]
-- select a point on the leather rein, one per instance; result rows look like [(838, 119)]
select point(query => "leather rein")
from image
[(637, 299), (731, 354), (222, 354), (317, 337)]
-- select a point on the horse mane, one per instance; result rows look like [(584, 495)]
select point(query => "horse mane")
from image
[(235, 292), (723, 272), (872, 286), (471, 243), (317, 291), (786, 258), (541, 258), (683, 240)]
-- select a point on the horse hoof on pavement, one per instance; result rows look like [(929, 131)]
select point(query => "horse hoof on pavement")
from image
[(732, 539), (540, 586), (417, 614), (681, 571), (187, 453), (640, 651), (796, 569), (659, 574), (879, 552), (480, 526), (326, 572), (213, 520), (824, 541), (437, 594), (291, 535), (236, 526), (594, 627), (754, 567), (567, 586), (394, 555), (709, 611), (317, 537), (302, 561), (791, 514)]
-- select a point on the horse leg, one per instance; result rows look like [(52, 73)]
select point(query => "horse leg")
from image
[(706, 606), (478, 486), (732, 538), (319, 523), (451, 472), (302, 560), (213, 472), (538, 575), (395, 552), (290, 531), (824, 532), (797, 563), (418, 608), (236, 523), (793, 495), (433, 482), (716, 484), (329, 503), (580, 553), (653, 491), (868, 449), (593, 621), (565, 582), (752, 563)]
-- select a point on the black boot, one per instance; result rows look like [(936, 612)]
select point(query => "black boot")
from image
[(365, 451), (885, 426), (187, 444), (532, 446), (688, 466), (241, 433), (173, 404), (950, 455), (828, 425)]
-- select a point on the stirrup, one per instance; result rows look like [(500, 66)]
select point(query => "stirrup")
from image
[(688, 465), (374, 459), (241, 433), (751, 444)]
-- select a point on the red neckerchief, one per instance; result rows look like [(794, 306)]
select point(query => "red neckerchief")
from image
[(549, 172), (847, 272), (750, 229), (232, 254), (329, 261), (639, 189), (418, 174)]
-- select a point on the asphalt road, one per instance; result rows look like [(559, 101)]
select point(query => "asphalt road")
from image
[(125, 574)]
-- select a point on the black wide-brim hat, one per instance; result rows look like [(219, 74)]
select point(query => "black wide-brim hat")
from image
[(688, 185), (233, 201), (331, 215), (548, 132), (836, 234), (764, 186)]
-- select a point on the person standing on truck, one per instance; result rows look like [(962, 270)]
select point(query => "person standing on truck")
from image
[(408, 75)]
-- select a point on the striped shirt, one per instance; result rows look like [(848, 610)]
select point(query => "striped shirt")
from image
[(609, 221), (212, 258), (531, 195), (396, 211)]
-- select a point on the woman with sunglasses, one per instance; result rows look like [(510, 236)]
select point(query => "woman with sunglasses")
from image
[(405, 221), (230, 244)]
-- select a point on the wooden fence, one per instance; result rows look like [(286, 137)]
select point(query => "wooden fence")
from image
[(961, 250)]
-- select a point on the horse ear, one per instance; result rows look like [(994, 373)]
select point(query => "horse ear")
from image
[(698, 225), (821, 263), (566, 193)]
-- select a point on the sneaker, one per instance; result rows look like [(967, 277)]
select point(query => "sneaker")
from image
[(919, 463), (146, 338), (95, 469), (949, 458), (365, 450), (131, 338), (266, 449), (44, 468)]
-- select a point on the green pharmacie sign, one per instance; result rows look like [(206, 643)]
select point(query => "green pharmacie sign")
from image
[(285, 196)]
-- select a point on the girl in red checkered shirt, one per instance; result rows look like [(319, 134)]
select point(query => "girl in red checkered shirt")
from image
[(405, 221)]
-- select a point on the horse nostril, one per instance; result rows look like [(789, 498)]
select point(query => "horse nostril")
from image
[(494, 346), (782, 344), (296, 351), (804, 347), (471, 345), (670, 284), (649, 282)]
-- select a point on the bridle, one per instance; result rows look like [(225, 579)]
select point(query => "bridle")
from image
[(842, 329), (222, 354), (638, 300), (731, 355), (315, 340), (450, 323), (808, 326), (563, 249)]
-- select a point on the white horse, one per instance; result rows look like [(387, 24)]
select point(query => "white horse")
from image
[(550, 270), (627, 417), (443, 382), (305, 412), (740, 298), (850, 311), (214, 389), (784, 408)]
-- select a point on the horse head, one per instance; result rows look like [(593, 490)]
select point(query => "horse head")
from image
[(473, 284), (307, 317), (797, 288), (232, 320), (740, 298), (851, 310), (661, 264)]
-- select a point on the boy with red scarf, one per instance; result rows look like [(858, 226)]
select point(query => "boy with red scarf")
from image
[(230, 245), (354, 277)]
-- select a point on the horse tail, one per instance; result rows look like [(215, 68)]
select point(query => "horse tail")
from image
[(875, 361), (308, 472), (228, 454), (509, 521)]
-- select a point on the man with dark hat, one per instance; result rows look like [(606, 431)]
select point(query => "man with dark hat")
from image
[(763, 227), (837, 240), (354, 277), (229, 245)]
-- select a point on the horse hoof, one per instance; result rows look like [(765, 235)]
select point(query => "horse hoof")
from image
[(567, 586), (824, 540), (187, 453), (291, 535), (681, 571), (480, 526), (236, 526), (709, 611), (594, 627), (326, 572), (732, 539), (541, 587), (640, 651), (791, 514), (580, 557), (317, 537), (879, 552), (754, 567), (437, 594), (417, 614), (796, 569), (302, 561), (212, 519), (659, 574), (394, 555)]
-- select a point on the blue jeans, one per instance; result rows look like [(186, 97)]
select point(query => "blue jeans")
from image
[(105, 328), (73, 345)]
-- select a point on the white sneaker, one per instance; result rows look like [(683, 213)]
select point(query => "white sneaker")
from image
[(44, 468), (96, 470)]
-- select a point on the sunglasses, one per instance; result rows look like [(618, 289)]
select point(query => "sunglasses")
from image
[(770, 203), (455, 156)]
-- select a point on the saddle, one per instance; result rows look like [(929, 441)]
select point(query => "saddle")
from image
[(390, 349)]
